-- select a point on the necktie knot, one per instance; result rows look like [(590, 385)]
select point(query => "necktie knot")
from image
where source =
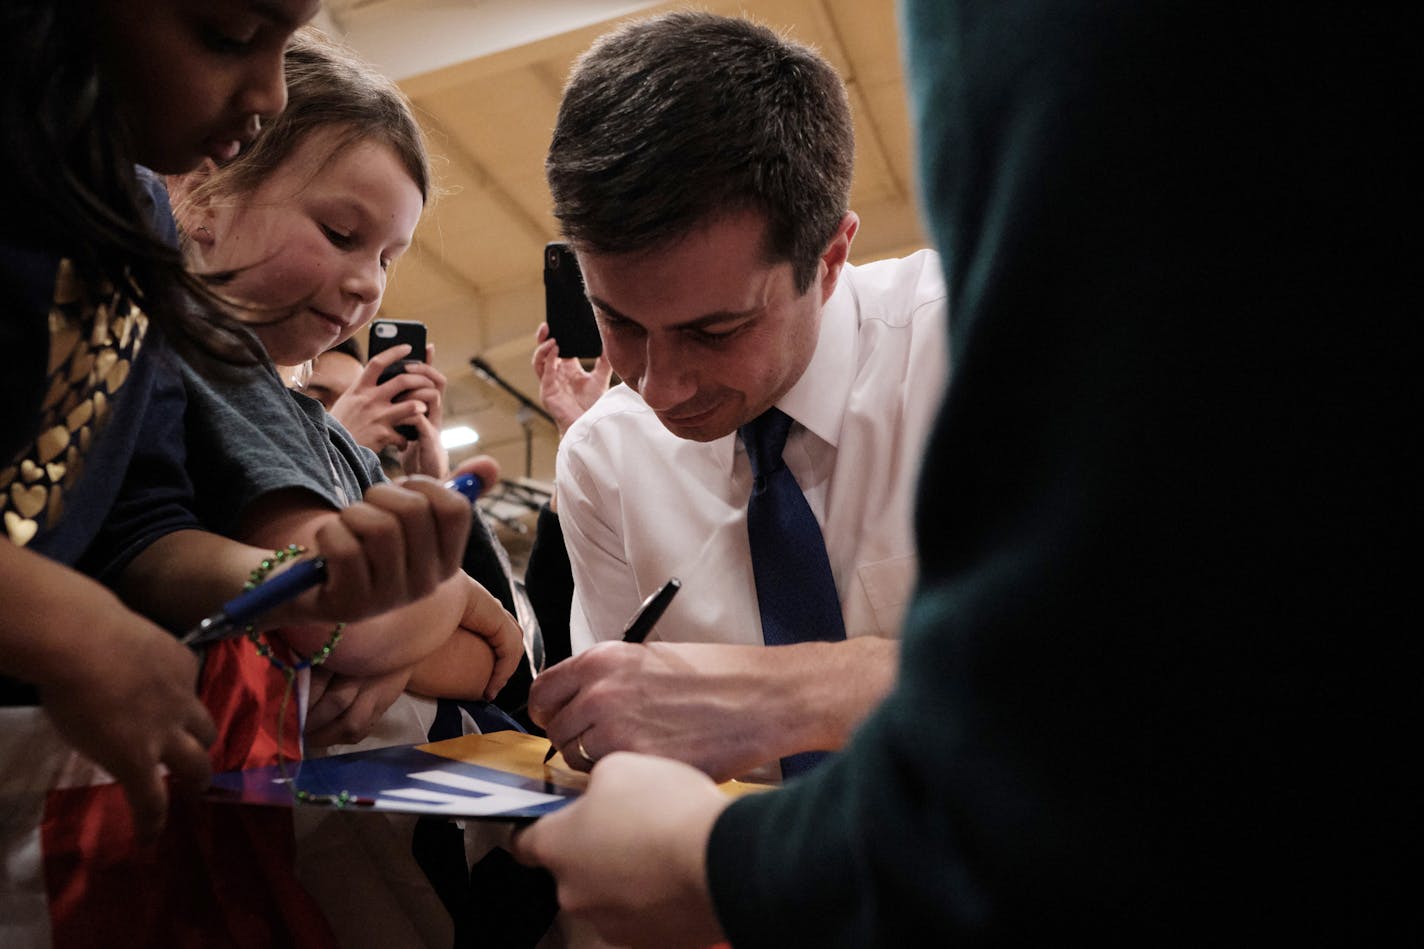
[(765, 438)]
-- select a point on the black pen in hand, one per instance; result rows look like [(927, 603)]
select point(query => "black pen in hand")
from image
[(650, 612), (642, 624)]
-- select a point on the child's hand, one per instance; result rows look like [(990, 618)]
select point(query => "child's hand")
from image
[(487, 619), (129, 704), (117, 687), (476, 660), (395, 546), (344, 709)]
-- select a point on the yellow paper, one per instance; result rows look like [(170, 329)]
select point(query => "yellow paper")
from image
[(523, 755)]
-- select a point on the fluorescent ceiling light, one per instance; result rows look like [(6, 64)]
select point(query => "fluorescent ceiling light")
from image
[(459, 437)]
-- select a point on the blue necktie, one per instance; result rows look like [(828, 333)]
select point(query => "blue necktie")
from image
[(796, 593)]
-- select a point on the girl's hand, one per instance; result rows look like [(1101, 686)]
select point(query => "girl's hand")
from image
[(343, 709), (119, 689), (129, 704), (393, 547), (487, 619), (477, 659), (368, 410)]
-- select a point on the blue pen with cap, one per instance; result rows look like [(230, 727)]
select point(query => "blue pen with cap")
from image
[(243, 610)]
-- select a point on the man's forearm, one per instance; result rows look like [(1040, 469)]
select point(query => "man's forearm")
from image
[(835, 686), (778, 701)]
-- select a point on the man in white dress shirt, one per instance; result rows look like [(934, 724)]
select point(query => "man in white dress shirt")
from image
[(701, 169)]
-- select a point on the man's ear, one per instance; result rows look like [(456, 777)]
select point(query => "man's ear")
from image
[(192, 206), (837, 252)]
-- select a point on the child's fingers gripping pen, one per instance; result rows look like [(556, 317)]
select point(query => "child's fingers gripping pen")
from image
[(241, 611)]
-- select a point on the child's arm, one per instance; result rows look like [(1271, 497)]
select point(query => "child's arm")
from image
[(476, 661), (343, 709), (117, 687), (398, 638), (398, 548), (459, 669)]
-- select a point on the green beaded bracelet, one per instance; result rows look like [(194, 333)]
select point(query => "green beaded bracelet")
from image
[(255, 579), (268, 564)]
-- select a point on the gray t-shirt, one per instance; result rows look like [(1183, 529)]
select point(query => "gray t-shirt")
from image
[(250, 435)]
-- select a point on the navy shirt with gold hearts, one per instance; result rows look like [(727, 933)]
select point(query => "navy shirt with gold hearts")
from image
[(86, 371)]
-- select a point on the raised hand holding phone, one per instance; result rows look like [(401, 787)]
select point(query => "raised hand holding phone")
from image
[(566, 307), (388, 334), (566, 388), (424, 386), (382, 401), (367, 408)]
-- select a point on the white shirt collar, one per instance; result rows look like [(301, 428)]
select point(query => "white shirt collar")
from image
[(818, 399)]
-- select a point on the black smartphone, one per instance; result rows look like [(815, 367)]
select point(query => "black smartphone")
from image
[(566, 306), (388, 333)]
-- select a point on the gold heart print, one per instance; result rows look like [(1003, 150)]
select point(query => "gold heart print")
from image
[(21, 531), (99, 331), (115, 378), (79, 367), (104, 363), (121, 328), (28, 501), (140, 328), (91, 350), (79, 415), (52, 442)]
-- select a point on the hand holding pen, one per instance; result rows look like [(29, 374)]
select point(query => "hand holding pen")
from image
[(244, 610), (637, 631)]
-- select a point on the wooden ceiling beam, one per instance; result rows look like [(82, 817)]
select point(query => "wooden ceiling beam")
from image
[(486, 180), (866, 114)]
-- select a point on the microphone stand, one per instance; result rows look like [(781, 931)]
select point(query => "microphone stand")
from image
[(527, 408)]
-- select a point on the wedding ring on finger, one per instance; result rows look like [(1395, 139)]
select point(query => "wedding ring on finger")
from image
[(578, 743)]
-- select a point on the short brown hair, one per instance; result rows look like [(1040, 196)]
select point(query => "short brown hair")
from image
[(672, 121)]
